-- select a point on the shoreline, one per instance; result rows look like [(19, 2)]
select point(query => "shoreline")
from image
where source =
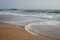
[(13, 32)]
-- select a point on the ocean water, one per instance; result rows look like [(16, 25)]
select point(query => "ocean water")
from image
[(37, 22)]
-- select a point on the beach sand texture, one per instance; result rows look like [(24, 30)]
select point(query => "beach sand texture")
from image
[(12, 32)]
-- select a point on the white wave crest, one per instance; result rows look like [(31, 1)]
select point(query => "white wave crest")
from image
[(35, 24), (45, 28)]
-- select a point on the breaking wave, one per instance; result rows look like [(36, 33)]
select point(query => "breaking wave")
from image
[(36, 23)]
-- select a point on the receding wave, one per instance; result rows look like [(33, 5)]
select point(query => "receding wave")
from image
[(43, 23), (51, 29)]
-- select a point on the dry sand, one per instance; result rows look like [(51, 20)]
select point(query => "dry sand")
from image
[(12, 32)]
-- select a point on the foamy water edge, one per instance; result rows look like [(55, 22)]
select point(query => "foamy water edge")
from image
[(27, 20)]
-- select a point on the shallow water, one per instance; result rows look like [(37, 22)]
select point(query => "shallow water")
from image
[(47, 24)]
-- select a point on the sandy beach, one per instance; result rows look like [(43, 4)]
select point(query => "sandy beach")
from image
[(12, 32)]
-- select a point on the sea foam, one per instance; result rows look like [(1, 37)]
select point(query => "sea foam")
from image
[(44, 24), (51, 29)]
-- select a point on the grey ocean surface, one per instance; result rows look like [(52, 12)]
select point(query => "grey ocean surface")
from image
[(37, 23)]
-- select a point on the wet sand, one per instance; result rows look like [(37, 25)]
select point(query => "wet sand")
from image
[(12, 32)]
